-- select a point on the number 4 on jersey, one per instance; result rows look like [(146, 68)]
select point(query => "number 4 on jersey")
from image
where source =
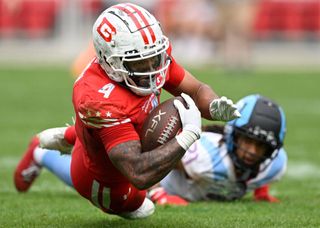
[(106, 90)]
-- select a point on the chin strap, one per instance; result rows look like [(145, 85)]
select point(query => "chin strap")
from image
[(153, 86), (156, 92)]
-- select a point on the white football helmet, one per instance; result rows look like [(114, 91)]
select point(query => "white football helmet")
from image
[(131, 48)]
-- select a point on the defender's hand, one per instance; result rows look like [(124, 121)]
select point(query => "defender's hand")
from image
[(266, 198), (262, 194), (161, 197), (223, 109)]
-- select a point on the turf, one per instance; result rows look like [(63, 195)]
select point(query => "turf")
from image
[(33, 99)]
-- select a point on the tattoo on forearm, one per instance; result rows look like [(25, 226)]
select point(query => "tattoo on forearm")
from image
[(150, 166)]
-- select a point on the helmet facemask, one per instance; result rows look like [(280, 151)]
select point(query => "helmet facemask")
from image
[(148, 74), (252, 159), (144, 73)]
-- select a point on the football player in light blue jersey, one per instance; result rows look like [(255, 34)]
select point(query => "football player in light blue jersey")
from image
[(228, 162)]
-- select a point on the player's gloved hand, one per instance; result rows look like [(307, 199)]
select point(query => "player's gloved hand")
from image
[(191, 122), (53, 139), (161, 197), (262, 194), (223, 109)]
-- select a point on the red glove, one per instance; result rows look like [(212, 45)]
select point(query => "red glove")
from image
[(262, 194), (161, 197)]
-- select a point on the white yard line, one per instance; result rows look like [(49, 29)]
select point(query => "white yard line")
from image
[(301, 170)]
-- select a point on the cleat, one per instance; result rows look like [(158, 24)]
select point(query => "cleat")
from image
[(145, 210), (27, 169)]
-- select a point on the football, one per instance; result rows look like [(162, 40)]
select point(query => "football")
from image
[(161, 125)]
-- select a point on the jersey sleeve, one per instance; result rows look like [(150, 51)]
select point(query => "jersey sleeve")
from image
[(111, 120), (118, 134), (175, 73), (99, 114)]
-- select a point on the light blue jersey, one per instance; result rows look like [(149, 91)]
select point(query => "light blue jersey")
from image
[(211, 173)]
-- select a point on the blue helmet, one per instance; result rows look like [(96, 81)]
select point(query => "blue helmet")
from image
[(261, 119)]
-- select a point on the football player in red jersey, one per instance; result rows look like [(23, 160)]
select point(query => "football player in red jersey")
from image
[(111, 99)]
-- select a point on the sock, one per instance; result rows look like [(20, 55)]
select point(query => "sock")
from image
[(38, 154), (56, 163)]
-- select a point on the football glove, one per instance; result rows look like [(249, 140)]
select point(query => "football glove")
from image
[(191, 122), (223, 109), (161, 197), (262, 194)]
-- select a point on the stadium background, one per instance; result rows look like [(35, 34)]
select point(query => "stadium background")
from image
[(39, 41)]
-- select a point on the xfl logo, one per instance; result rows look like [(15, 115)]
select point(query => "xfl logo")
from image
[(106, 30), (155, 121)]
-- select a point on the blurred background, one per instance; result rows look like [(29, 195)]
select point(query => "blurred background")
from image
[(233, 34), (238, 47)]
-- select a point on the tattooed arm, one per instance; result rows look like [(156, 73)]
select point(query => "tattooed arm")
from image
[(145, 169)]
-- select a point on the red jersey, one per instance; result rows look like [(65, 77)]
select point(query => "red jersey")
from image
[(108, 114)]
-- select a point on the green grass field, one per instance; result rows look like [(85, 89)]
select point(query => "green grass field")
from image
[(33, 99)]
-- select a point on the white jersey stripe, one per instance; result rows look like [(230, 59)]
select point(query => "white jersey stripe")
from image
[(100, 125), (106, 198), (100, 120), (95, 193)]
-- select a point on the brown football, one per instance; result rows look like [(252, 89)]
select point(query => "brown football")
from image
[(161, 125)]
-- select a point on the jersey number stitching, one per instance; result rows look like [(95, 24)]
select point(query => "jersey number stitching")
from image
[(106, 90)]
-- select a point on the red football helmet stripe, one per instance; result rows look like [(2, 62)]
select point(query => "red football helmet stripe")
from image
[(144, 20), (136, 22)]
